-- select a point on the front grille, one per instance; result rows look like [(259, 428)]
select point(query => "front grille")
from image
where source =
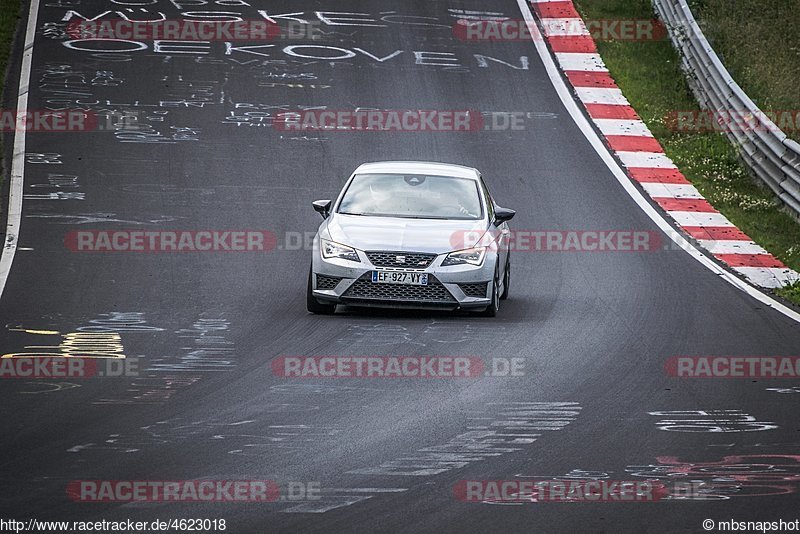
[(327, 282), (477, 289), (408, 260), (363, 288)]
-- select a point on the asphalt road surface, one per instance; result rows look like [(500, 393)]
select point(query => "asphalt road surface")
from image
[(361, 454)]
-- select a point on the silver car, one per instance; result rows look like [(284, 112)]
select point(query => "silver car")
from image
[(411, 234)]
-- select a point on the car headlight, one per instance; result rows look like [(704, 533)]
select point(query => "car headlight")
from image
[(331, 249), (472, 256)]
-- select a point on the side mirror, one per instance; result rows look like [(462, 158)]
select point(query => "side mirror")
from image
[(502, 215), (322, 207)]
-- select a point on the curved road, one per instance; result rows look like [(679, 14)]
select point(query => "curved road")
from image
[(594, 329)]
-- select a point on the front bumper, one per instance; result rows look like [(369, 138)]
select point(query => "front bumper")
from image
[(454, 287)]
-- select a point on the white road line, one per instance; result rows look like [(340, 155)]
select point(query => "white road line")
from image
[(601, 95), (650, 160), (731, 246), (584, 62), (703, 219), (564, 27), (773, 277), (659, 190), (623, 127), (18, 157), (591, 135)]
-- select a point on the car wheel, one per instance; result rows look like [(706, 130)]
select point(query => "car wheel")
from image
[(315, 306), (506, 278), (492, 309)]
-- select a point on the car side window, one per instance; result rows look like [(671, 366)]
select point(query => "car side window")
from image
[(489, 200)]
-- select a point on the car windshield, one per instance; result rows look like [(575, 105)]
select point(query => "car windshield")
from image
[(417, 196)]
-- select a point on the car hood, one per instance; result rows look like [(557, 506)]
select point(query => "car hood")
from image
[(402, 234)]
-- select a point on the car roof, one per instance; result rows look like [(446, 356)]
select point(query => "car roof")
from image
[(419, 167)]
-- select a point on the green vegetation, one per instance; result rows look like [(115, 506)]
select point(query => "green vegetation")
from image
[(759, 43), (9, 13), (649, 75)]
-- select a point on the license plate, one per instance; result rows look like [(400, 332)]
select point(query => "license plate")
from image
[(400, 277)]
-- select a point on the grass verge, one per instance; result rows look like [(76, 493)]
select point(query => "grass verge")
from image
[(649, 74), (759, 43), (9, 13)]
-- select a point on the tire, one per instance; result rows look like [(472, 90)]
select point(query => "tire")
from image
[(315, 306), (506, 278), (494, 307)]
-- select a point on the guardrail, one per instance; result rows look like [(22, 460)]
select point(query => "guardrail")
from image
[(773, 157)]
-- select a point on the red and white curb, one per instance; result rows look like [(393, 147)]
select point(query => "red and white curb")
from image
[(642, 156)]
